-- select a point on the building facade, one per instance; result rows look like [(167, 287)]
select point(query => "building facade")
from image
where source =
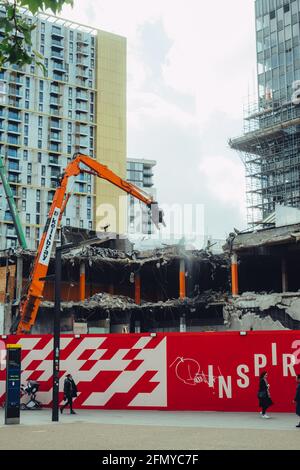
[(140, 173), (78, 105), (271, 141)]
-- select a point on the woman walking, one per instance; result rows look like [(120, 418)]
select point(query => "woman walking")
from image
[(264, 396)]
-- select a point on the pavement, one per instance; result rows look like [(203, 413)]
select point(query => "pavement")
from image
[(150, 430)]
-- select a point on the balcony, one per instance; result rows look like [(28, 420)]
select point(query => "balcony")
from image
[(80, 96), (15, 92), (55, 136), (54, 148), (13, 140), (55, 90), (55, 124), (13, 155), (8, 217), (53, 161), (14, 116), (14, 167), (82, 63), (54, 111), (14, 103), (13, 129), (56, 55), (58, 66), (81, 108), (58, 77), (13, 179), (82, 130), (57, 44), (56, 33), (82, 51), (54, 101), (17, 68)]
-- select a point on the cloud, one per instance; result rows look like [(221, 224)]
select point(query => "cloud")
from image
[(189, 68)]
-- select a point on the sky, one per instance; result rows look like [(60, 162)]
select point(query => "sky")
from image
[(191, 68)]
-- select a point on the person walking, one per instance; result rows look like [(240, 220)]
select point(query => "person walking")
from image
[(297, 399), (70, 392), (264, 396)]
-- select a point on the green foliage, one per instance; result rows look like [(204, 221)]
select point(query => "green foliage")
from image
[(16, 32)]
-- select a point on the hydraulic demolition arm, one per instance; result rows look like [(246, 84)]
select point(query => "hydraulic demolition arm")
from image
[(30, 305)]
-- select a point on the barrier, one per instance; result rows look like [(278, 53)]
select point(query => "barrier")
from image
[(175, 371)]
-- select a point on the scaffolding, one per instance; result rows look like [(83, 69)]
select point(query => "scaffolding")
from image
[(270, 151)]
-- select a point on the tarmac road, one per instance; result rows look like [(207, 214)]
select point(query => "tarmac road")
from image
[(133, 430)]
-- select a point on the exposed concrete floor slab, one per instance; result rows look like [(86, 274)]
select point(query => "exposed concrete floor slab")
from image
[(150, 430)]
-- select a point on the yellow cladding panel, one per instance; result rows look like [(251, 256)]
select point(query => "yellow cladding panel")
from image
[(111, 129)]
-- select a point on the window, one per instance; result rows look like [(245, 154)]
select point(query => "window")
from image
[(69, 127), (38, 195), (272, 15), (88, 213), (26, 118), (43, 182), (43, 170), (40, 121), (24, 206), (41, 96), (26, 94), (29, 168), (90, 225), (26, 141), (42, 27), (25, 155), (27, 82), (28, 179), (71, 58), (38, 207), (26, 104), (39, 157), (70, 92), (68, 222), (42, 38), (27, 232), (26, 128), (42, 49), (286, 8), (70, 103), (40, 133), (27, 218), (24, 193), (41, 108), (40, 144), (37, 220), (81, 224)]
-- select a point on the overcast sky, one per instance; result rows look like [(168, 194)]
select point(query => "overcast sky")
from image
[(191, 67)]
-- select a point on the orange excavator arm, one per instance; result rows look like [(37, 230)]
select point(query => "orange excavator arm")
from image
[(80, 164)]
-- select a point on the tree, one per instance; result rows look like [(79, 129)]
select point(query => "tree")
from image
[(16, 30)]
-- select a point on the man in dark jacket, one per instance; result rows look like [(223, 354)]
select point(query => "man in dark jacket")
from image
[(70, 392), (297, 399)]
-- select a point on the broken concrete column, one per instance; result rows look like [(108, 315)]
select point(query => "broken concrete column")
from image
[(284, 275), (82, 280), (234, 275), (137, 288), (182, 283)]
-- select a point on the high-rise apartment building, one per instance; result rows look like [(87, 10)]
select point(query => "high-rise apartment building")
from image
[(140, 173), (270, 146), (79, 105)]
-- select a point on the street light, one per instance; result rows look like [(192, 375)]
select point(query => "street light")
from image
[(56, 321)]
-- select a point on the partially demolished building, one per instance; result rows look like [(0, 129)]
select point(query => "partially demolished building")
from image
[(109, 290)]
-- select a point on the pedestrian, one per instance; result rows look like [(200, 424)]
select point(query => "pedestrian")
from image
[(297, 399), (70, 392), (264, 396)]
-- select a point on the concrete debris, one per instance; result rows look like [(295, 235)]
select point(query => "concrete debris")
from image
[(263, 311)]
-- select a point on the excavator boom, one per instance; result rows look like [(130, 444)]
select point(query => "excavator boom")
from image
[(80, 164)]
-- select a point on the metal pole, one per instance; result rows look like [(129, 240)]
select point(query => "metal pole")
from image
[(56, 336)]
